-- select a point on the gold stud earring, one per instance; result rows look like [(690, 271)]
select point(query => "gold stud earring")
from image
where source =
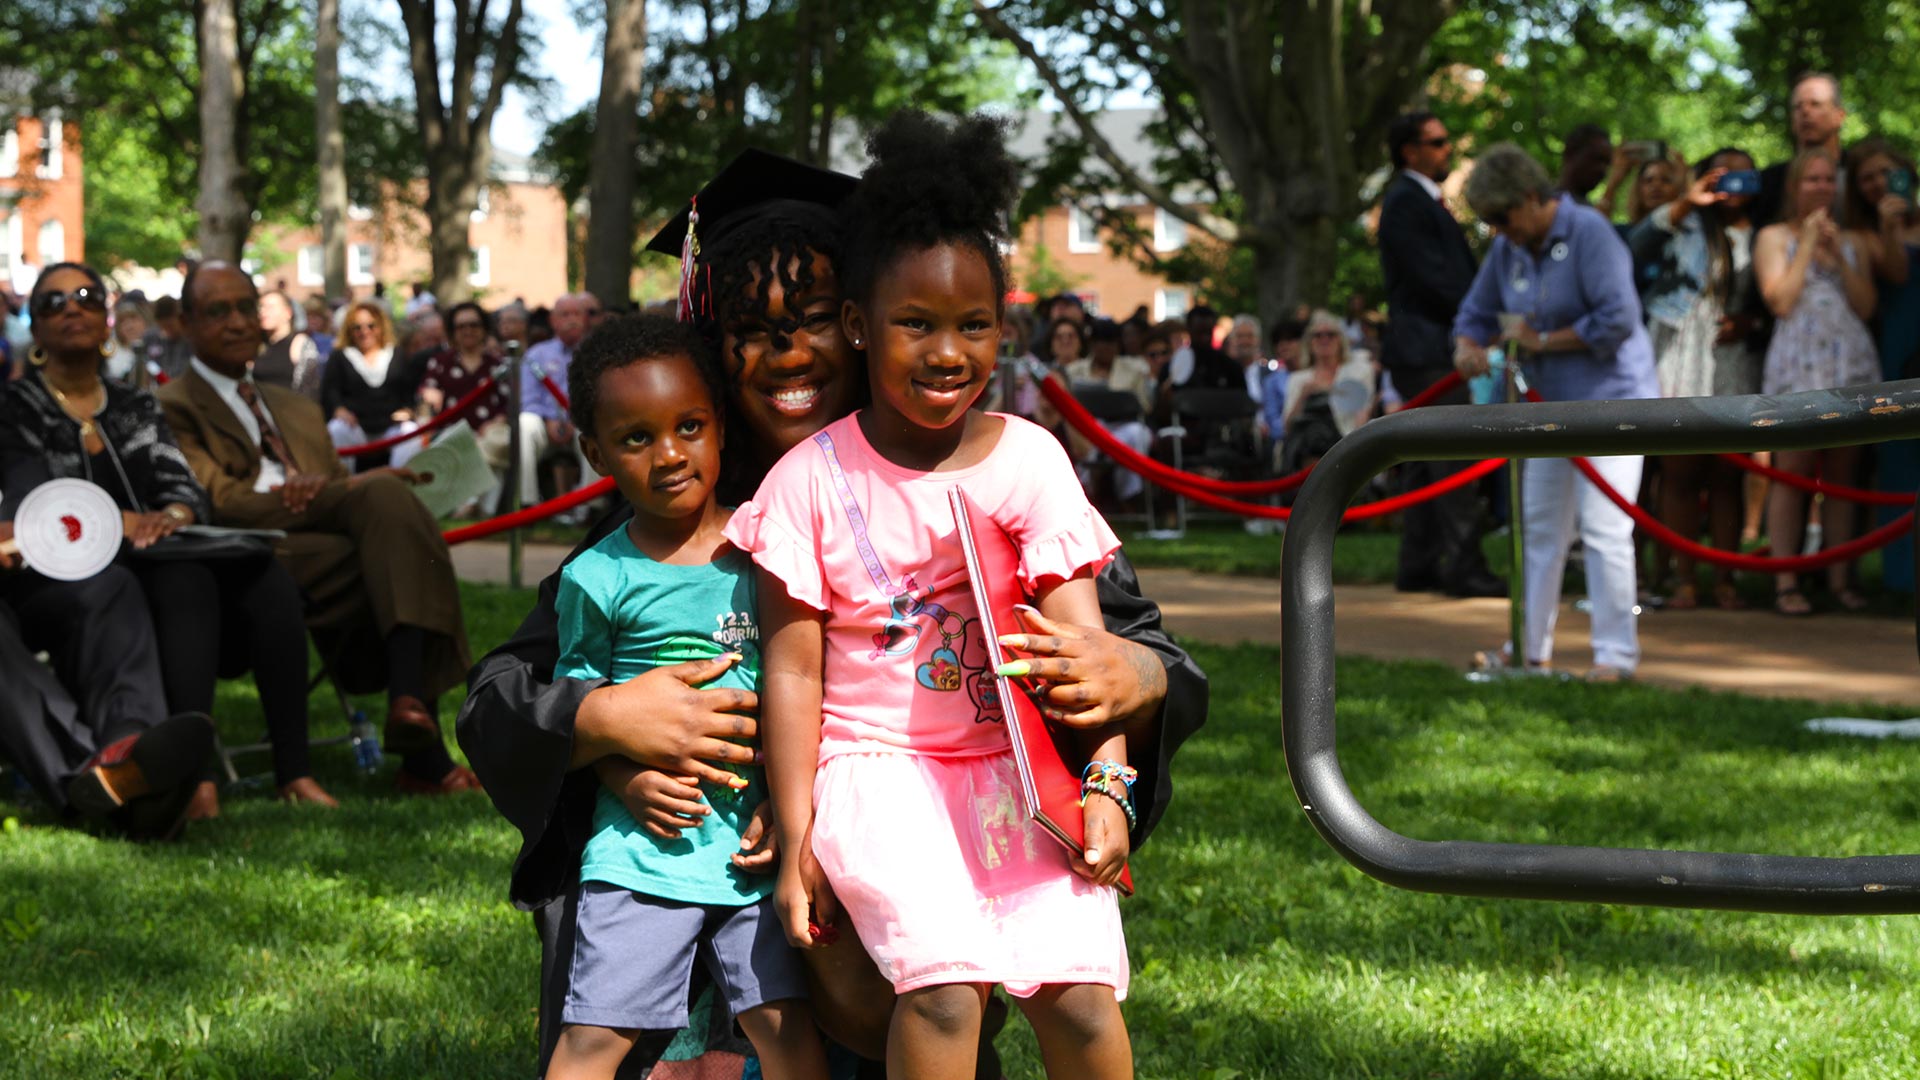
[(106, 349), (37, 356)]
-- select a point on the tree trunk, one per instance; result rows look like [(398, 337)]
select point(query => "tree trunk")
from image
[(332, 146), (226, 214), (455, 128), (800, 105), (610, 183)]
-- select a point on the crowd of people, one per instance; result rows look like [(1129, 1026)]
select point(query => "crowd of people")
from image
[(1719, 278)]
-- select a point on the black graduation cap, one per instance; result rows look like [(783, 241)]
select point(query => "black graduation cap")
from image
[(753, 184)]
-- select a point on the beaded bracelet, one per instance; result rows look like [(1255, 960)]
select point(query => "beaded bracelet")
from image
[(1115, 781)]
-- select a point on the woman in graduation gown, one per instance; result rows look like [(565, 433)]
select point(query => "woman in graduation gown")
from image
[(532, 737)]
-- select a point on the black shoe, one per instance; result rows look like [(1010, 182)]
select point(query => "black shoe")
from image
[(1480, 584), (163, 763), (1411, 583)]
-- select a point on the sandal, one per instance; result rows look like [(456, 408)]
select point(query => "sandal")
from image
[(1727, 598), (1851, 599), (1684, 597), (1607, 673), (1790, 601)]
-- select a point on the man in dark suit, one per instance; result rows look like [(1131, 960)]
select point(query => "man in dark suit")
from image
[(1428, 268)]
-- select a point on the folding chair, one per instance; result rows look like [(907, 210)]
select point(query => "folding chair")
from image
[(1228, 440), (1115, 407)]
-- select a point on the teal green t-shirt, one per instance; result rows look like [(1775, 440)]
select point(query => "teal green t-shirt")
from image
[(622, 614)]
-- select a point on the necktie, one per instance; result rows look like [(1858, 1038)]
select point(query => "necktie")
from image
[(272, 446)]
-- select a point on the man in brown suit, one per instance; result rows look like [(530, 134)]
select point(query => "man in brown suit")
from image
[(382, 600)]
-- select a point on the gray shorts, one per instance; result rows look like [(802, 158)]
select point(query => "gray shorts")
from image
[(633, 958)]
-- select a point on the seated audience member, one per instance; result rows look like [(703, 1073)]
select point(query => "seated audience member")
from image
[(1156, 348), (131, 320), (291, 358), (230, 611), (458, 370), (1333, 393), (510, 327), (1354, 325), (1243, 348), (426, 334), (382, 600), (1133, 332), (167, 352), (368, 389), (1064, 306), (1199, 365), (1273, 395), (544, 424), (90, 733), (1014, 390), (539, 326), (422, 300), (320, 324), (1818, 281), (1103, 366)]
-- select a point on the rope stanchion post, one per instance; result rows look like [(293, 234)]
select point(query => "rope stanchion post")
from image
[(1517, 579), (515, 553)]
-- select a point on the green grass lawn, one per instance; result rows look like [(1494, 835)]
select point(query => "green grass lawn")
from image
[(376, 941)]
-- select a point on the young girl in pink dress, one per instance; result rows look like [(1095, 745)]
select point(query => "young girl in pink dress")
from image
[(888, 759)]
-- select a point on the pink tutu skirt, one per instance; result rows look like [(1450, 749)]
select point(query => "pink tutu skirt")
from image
[(946, 881)]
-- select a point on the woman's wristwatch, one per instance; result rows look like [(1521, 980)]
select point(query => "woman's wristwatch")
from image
[(179, 516)]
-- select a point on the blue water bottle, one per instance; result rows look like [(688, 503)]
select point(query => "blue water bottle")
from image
[(366, 743), (1491, 387)]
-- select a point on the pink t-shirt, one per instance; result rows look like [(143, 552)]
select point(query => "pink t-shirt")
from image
[(874, 547)]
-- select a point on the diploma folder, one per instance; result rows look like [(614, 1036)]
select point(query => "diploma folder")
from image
[(1049, 786)]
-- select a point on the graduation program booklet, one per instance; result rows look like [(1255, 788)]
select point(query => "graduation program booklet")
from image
[(457, 468), (1049, 785)]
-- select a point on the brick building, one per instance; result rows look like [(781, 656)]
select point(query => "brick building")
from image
[(1110, 284), (41, 201), (518, 238)]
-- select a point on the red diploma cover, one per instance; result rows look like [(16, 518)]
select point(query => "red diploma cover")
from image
[(1049, 785)]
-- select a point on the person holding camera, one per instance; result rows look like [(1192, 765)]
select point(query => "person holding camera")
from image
[(1702, 325)]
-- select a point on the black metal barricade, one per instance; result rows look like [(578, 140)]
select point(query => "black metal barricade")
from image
[(1879, 884)]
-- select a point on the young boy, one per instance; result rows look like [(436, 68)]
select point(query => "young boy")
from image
[(667, 589)]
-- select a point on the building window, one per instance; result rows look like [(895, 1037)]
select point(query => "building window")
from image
[(1169, 232), (356, 212), (10, 153), (479, 267), (1083, 235), (51, 164), (360, 264), (1170, 304), (311, 266), (52, 242), (483, 205), (10, 243)]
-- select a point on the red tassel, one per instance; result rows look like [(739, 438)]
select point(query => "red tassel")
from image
[(689, 258)]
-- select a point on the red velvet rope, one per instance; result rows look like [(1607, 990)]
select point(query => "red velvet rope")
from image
[(471, 399), (1808, 483), (1177, 481), (1737, 560), (553, 388), (531, 514)]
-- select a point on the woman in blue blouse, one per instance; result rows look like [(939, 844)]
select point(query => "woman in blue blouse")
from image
[(1563, 268)]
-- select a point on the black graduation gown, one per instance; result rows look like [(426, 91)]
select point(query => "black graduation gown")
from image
[(517, 731)]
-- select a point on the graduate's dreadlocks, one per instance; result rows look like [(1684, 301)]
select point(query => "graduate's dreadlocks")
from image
[(932, 182)]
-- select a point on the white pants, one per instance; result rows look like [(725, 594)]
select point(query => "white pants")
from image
[(1126, 482), (1558, 500), (533, 443), (348, 433)]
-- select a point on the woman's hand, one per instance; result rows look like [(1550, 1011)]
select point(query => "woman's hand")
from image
[(1702, 191), (9, 552), (145, 530), (401, 416), (1091, 677), (1893, 210), (759, 842), (661, 718), (1107, 843), (345, 414), (432, 399), (805, 902), (1470, 358), (661, 802)]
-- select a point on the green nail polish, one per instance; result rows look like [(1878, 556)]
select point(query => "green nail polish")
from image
[(1013, 669)]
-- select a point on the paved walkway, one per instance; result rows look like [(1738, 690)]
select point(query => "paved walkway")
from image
[(1828, 657)]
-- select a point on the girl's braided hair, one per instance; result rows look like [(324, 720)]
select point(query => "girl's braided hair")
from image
[(932, 182)]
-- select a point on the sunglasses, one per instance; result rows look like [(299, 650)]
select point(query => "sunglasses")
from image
[(52, 303), (1326, 333), (363, 327), (1435, 143), (217, 310)]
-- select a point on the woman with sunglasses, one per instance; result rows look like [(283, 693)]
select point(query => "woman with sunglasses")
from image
[(460, 369), (1557, 291), (368, 388), (65, 417), (1331, 394)]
